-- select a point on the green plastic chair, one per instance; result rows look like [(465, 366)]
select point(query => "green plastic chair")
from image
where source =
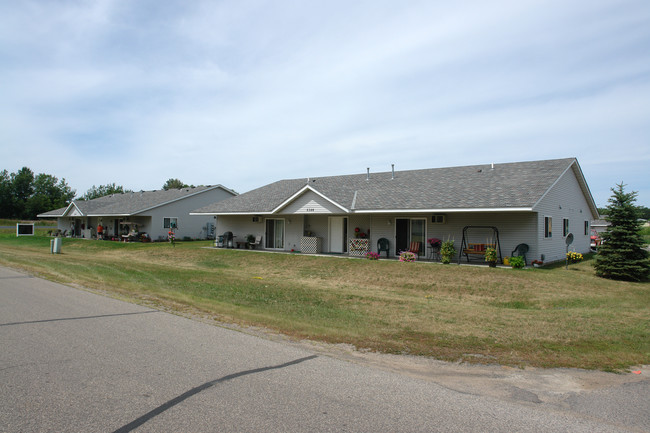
[(383, 245), (521, 251)]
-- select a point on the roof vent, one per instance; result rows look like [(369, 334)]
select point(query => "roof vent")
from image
[(393, 171), (368, 175), (492, 167)]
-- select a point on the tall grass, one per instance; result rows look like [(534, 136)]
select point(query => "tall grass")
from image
[(546, 317)]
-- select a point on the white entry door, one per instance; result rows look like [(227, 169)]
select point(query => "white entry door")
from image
[(337, 234)]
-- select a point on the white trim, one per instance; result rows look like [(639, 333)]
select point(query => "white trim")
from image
[(170, 222), (550, 217), (284, 233), (554, 183), (410, 232), (399, 211), (456, 210), (301, 192), (178, 198), (585, 189), (345, 223), (67, 210), (577, 171), (231, 213)]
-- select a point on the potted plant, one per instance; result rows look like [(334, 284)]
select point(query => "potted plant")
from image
[(491, 256), (407, 256), (517, 262), (447, 251), (371, 255), (573, 257)]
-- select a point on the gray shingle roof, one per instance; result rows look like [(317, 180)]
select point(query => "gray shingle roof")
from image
[(130, 203), (509, 185)]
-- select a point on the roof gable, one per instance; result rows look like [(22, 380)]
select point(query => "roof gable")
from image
[(309, 200)]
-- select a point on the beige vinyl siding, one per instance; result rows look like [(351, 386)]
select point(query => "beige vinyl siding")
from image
[(565, 200), (382, 229), (364, 222), (192, 226), (514, 228), (318, 225), (310, 203), (240, 226), (293, 231)]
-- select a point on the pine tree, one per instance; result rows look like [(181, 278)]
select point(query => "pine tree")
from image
[(621, 256)]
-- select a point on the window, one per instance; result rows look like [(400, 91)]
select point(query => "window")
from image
[(586, 228), (548, 227), (438, 219), (409, 230), (565, 227), (170, 223), (275, 233)]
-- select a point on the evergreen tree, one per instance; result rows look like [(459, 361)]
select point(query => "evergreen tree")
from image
[(621, 256)]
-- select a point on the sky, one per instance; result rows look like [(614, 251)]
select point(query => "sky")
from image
[(244, 93)]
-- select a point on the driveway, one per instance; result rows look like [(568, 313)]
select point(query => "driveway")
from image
[(75, 361)]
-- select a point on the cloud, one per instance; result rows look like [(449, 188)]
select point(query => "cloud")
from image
[(250, 92)]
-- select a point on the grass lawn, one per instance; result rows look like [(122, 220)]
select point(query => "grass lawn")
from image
[(547, 317)]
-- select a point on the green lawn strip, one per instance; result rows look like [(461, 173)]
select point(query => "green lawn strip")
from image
[(540, 317)]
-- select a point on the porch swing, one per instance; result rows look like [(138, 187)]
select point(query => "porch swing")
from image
[(468, 248)]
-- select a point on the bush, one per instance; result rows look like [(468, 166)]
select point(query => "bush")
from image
[(517, 262), (447, 251)]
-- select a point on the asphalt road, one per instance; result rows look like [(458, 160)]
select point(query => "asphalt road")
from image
[(75, 361)]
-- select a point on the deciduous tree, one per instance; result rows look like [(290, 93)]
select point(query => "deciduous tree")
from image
[(103, 190), (175, 184)]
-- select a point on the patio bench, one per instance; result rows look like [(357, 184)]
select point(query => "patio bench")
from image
[(477, 249)]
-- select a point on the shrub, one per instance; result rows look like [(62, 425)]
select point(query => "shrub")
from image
[(447, 251), (517, 262)]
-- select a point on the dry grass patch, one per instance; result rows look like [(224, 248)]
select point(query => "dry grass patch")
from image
[(541, 317)]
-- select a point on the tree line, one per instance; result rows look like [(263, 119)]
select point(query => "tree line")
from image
[(24, 195)]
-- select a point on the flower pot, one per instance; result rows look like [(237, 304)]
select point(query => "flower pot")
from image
[(492, 264)]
